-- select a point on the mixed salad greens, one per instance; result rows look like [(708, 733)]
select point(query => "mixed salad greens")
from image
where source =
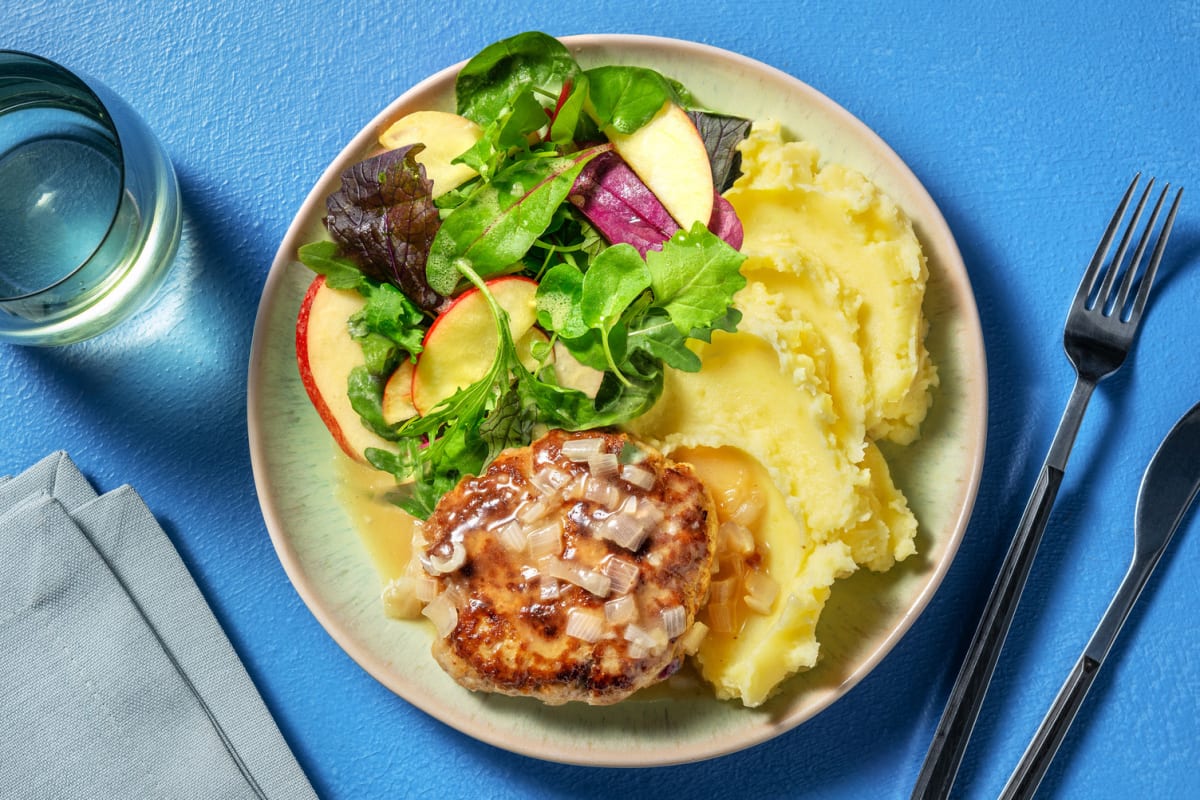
[(620, 285)]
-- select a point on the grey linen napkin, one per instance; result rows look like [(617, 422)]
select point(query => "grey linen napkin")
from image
[(116, 680)]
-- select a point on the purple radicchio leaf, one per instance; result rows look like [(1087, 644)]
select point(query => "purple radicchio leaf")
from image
[(385, 220), (614, 199)]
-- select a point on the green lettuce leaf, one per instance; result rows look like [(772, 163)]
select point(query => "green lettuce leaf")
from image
[(506, 69), (490, 232)]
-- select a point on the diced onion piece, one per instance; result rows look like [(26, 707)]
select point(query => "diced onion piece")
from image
[(400, 599), (597, 583), (585, 625), (750, 507), (637, 650), (733, 537), (620, 610), (674, 620), (580, 450), (761, 591), (649, 513), (603, 465), (545, 541), (530, 512), (441, 563), (548, 588), (602, 493), (575, 488), (625, 530), (624, 573), (638, 476), (512, 536), (425, 588), (723, 592), (638, 635), (442, 612), (691, 640), (549, 479), (720, 617)]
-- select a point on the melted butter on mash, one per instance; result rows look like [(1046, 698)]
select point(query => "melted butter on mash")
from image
[(828, 359)]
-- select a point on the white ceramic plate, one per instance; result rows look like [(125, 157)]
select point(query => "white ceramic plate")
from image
[(294, 466)]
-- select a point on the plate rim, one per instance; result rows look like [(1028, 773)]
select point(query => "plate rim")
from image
[(975, 401)]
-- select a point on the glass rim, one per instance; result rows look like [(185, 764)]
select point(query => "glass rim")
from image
[(85, 87)]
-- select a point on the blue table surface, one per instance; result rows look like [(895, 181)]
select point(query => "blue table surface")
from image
[(1024, 121)]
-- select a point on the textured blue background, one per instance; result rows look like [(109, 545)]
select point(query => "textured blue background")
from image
[(1025, 124)]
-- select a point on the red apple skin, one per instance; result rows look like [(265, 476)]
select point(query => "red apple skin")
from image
[(424, 399), (344, 425), (306, 374)]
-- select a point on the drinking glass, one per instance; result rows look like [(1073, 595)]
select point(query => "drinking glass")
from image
[(89, 205)]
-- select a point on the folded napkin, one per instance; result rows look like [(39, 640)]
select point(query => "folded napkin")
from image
[(115, 679)]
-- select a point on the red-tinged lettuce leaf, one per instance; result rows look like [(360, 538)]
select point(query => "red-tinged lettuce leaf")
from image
[(385, 221), (725, 222), (722, 134), (495, 228), (622, 208)]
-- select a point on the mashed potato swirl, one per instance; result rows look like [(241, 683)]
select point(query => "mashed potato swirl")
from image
[(828, 359)]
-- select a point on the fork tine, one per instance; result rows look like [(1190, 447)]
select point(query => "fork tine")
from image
[(1093, 270), (1110, 276), (1143, 293), (1132, 272)]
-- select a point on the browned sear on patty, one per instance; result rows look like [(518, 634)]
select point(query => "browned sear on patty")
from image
[(571, 569)]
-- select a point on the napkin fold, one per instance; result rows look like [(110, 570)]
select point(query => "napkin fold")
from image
[(116, 681)]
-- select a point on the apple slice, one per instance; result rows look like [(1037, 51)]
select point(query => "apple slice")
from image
[(397, 395), (572, 374), (460, 345), (669, 156), (445, 136), (326, 354)]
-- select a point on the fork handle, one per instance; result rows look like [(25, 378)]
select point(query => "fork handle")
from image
[(966, 697)]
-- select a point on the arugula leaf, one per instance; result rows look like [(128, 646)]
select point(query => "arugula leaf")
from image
[(657, 335), (626, 98), (391, 317), (508, 68), (507, 425), (694, 277), (496, 226), (388, 325)]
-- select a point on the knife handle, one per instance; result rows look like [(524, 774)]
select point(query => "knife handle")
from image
[(1033, 765)]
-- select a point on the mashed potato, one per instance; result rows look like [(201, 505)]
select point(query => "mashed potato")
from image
[(828, 359)]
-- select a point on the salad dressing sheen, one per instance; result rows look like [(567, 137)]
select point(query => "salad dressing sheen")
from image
[(385, 531)]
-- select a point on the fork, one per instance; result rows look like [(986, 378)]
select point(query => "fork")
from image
[(1100, 330)]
